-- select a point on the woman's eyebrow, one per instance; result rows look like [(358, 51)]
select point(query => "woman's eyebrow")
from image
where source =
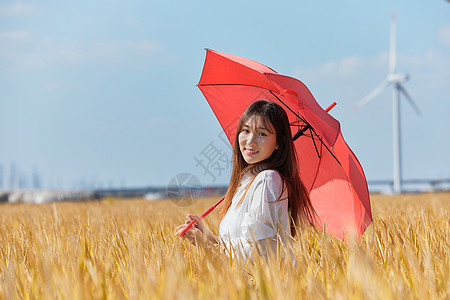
[(263, 128)]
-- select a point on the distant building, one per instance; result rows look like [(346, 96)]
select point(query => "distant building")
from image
[(12, 176), (36, 180), (1, 176)]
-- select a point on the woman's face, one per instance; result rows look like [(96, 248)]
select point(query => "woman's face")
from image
[(257, 142)]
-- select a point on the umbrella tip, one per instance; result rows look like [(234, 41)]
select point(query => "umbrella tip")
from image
[(330, 107)]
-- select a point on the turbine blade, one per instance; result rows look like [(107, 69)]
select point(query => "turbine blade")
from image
[(372, 94), (392, 47), (410, 100)]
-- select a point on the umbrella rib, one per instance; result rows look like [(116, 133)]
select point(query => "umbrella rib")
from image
[(250, 85), (311, 128), (303, 120), (272, 92), (314, 143)]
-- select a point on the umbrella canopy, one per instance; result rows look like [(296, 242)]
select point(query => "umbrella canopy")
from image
[(330, 171)]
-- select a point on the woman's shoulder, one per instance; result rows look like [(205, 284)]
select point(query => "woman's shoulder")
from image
[(270, 177), (269, 185)]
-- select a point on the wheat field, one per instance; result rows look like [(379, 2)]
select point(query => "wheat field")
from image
[(126, 249)]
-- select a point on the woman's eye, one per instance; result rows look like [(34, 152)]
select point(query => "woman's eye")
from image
[(245, 130), (262, 134)]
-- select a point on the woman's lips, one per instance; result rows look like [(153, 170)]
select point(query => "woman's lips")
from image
[(250, 151)]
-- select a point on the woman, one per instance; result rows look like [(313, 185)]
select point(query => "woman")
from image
[(265, 199)]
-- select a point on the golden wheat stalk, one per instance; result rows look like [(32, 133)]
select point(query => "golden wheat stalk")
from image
[(126, 249)]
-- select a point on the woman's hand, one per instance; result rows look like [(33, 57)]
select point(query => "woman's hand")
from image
[(198, 233)]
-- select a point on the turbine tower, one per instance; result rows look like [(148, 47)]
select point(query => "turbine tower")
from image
[(395, 79)]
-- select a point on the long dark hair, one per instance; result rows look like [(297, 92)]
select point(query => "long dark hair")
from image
[(283, 160)]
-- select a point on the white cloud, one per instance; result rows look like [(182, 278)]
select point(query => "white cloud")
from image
[(345, 68), (53, 85), (14, 36), (444, 35), (18, 9), (429, 69), (24, 50), (158, 122), (147, 46)]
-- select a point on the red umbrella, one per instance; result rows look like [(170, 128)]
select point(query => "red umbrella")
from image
[(329, 169)]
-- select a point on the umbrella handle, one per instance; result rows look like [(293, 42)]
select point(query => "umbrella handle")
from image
[(189, 226), (330, 107), (300, 132)]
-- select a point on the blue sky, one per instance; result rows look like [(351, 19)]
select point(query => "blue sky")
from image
[(103, 92)]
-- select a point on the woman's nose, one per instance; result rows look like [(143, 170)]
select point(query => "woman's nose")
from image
[(251, 139)]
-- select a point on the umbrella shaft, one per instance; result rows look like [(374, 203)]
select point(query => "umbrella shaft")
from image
[(302, 131)]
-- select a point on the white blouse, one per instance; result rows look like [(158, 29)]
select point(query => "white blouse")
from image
[(260, 220)]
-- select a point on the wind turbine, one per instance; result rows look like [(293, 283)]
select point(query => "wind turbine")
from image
[(395, 79)]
